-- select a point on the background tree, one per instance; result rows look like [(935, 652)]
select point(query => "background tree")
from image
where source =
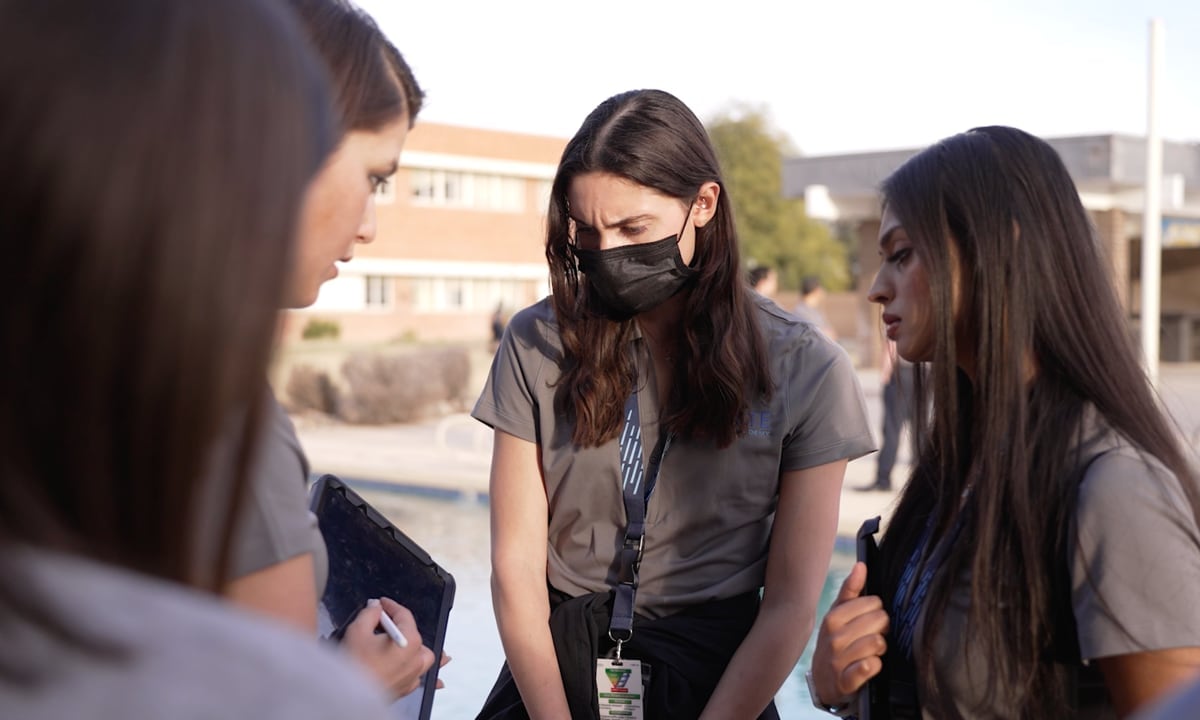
[(773, 229)]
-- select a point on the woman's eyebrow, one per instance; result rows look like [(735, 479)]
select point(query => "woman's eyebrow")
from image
[(616, 223)]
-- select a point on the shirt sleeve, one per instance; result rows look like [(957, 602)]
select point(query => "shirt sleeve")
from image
[(276, 524), (826, 408), (508, 402), (1135, 559)]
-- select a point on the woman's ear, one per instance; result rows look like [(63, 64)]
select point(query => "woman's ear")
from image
[(705, 206)]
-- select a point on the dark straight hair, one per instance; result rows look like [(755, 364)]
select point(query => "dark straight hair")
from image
[(997, 208), (160, 150), (372, 83), (651, 138)]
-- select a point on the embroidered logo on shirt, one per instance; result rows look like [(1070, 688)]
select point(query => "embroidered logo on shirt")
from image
[(758, 423)]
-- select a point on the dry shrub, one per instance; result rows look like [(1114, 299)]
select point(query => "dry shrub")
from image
[(316, 329), (404, 387), (312, 389)]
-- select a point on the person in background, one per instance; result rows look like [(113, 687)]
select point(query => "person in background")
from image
[(160, 150), (1038, 561), (497, 324), (897, 381), (279, 561), (654, 384), (812, 295), (764, 280)]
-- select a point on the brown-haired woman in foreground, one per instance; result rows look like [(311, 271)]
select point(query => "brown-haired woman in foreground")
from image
[(158, 152)]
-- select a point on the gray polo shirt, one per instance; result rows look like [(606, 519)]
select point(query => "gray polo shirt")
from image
[(709, 519), (1135, 567), (168, 652), (275, 523)]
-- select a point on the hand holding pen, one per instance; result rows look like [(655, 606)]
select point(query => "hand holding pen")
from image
[(397, 666), (389, 625)]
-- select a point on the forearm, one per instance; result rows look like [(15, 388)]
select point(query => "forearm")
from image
[(285, 591), (519, 541), (762, 663), (522, 615)]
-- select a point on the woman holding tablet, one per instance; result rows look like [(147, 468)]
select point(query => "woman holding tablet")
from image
[(159, 151), (279, 561)]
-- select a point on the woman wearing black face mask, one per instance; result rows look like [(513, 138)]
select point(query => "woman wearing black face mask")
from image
[(667, 444)]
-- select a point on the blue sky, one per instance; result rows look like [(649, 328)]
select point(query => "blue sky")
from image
[(836, 76)]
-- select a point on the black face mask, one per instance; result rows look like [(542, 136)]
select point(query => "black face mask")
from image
[(635, 278)]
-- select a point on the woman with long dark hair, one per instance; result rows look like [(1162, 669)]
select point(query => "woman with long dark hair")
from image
[(1049, 527), (280, 562), (157, 153), (669, 445)]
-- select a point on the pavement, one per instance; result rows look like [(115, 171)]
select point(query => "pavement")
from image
[(450, 457)]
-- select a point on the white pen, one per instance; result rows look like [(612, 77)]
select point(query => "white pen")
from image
[(389, 626)]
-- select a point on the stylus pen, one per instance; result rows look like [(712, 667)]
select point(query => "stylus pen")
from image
[(389, 627), (393, 632)]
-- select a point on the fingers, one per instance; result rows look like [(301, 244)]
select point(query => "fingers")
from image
[(396, 610), (407, 624), (853, 585), (362, 628), (858, 674), (838, 676), (859, 662), (423, 662), (445, 659), (403, 618), (399, 669), (851, 641)]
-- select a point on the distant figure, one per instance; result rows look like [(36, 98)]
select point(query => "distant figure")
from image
[(497, 326), (897, 380), (812, 294), (764, 280)]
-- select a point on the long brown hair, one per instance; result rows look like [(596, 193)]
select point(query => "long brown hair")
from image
[(157, 157), (653, 139), (372, 83), (1035, 284)]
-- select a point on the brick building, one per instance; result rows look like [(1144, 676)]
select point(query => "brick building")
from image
[(1109, 172), (461, 230)]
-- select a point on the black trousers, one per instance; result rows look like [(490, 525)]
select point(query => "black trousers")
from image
[(687, 653), (897, 412)]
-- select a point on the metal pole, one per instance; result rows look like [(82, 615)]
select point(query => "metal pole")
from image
[(1152, 213)]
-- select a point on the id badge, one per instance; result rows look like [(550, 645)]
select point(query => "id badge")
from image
[(619, 689)]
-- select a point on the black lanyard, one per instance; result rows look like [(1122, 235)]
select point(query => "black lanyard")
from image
[(910, 598), (636, 487)]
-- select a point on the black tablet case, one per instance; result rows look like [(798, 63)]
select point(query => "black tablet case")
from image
[(873, 699), (370, 558)]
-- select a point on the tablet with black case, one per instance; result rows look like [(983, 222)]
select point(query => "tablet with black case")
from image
[(370, 558), (873, 698)]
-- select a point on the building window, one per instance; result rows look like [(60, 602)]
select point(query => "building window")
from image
[(456, 189), (544, 190), (448, 294), (423, 184), (379, 292)]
